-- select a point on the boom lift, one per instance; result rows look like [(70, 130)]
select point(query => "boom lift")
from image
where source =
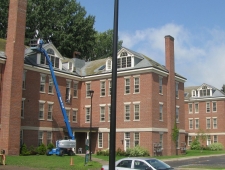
[(62, 146)]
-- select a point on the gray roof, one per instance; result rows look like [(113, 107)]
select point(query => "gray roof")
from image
[(215, 92)]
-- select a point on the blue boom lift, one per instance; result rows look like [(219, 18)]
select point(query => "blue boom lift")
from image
[(62, 146)]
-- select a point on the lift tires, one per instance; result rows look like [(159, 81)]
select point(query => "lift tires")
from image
[(71, 153), (47, 152), (61, 153)]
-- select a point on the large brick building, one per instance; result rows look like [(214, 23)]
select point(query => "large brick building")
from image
[(204, 112), (149, 99), (150, 96)]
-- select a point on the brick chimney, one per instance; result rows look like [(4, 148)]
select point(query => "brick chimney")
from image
[(12, 78), (171, 104)]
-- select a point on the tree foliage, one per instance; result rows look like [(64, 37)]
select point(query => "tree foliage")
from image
[(104, 45), (4, 7), (64, 22)]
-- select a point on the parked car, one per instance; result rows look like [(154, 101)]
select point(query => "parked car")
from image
[(139, 163)]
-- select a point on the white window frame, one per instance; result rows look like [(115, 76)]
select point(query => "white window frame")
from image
[(208, 122), (207, 107), (209, 141), (87, 114), (196, 123), (126, 140), (68, 113), (126, 85), (177, 114), (50, 111), (110, 87), (41, 114), (136, 111), (102, 88), (42, 83), (190, 108), (177, 90), (88, 88), (160, 111), (215, 122), (215, 139), (196, 108), (136, 84), (100, 140), (74, 116), (190, 120), (49, 137), (102, 112), (75, 89), (40, 137), (108, 64), (127, 111), (50, 85), (189, 140), (68, 90), (136, 139), (214, 106), (109, 112), (160, 85)]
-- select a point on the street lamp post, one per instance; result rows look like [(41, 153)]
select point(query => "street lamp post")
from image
[(91, 92)]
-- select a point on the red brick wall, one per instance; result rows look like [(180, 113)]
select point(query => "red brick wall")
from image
[(12, 79)]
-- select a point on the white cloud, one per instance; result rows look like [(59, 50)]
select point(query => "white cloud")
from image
[(199, 56)]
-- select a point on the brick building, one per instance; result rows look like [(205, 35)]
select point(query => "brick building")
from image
[(149, 100), (204, 111), (150, 96)]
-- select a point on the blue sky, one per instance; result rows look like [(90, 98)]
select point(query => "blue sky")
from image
[(198, 27)]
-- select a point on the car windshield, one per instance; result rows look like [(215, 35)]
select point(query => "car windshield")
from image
[(157, 164)]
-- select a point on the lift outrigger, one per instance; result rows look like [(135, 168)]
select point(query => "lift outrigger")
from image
[(62, 146)]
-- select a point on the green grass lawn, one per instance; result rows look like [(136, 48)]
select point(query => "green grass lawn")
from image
[(57, 162), (52, 162)]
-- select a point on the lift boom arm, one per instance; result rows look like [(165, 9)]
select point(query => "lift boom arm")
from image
[(42, 50)]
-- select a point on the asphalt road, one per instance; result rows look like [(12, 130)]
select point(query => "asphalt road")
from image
[(209, 161)]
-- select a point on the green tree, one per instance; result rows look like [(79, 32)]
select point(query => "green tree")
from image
[(4, 7), (64, 23), (104, 45), (202, 137), (175, 135)]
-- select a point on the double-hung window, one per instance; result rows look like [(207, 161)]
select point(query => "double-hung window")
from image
[(24, 79), (22, 107), (214, 107), (100, 140), (87, 114), (40, 137), (127, 86), (196, 123), (177, 113), (190, 108), (207, 107), (49, 137), (136, 139), (136, 84), (177, 90), (161, 111), (160, 85), (50, 85), (102, 113), (75, 89), (88, 88), (196, 108), (208, 123), (110, 87), (127, 112), (50, 110), (68, 85), (214, 122), (190, 123), (41, 110), (74, 116), (42, 83), (136, 110), (102, 88)]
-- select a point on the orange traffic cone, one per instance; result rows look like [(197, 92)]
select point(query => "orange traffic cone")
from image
[(71, 161)]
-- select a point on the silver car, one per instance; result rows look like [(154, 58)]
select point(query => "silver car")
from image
[(139, 163)]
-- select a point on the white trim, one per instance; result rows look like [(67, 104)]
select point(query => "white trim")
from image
[(137, 102), (41, 128), (126, 103), (50, 102), (136, 130), (102, 105), (41, 101)]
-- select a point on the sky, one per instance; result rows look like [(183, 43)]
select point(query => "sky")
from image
[(198, 27)]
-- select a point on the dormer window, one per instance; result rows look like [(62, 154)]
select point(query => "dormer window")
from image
[(205, 91), (109, 64), (70, 66), (123, 54), (54, 60), (124, 62)]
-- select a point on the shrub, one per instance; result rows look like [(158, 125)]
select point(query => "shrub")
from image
[(120, 152), (41, 149), (24, 151), (50, 146), (195, 145), (137, 151), (103, 152), (33, 150), (215, 147)]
